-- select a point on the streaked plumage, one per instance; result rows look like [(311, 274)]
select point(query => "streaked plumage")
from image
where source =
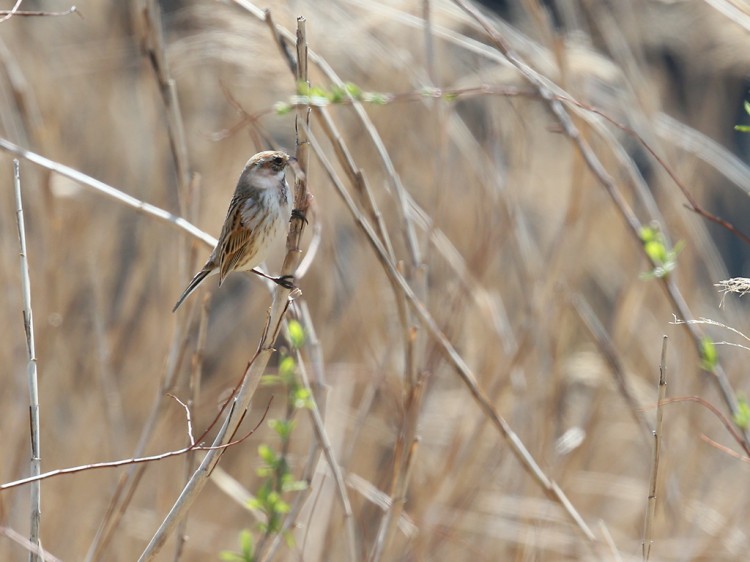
[(258, 214)]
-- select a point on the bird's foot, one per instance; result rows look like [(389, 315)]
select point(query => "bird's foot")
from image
[(300, 215), (286, 281)]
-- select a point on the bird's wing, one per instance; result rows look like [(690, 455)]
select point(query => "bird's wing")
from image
[(235, 235)]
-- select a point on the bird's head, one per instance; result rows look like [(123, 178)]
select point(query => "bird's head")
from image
[(265, 170)]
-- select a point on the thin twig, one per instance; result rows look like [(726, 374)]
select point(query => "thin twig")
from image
[(188, 417), (651, 507), (725, 421), (155, 47), (10, 13), (193, 402), (286, 53), (616, 556), (724, 449), (135, 460), (18, 538), (609, 351), (35, 463), (709, 322), (402, 469), (31, 13), (109, 191)]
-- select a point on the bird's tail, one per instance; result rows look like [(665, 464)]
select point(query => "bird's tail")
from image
[(200, 276)]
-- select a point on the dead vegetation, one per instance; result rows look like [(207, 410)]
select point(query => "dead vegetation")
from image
[(483, 346)]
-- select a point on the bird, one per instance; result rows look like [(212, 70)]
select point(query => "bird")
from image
[(258, 215)]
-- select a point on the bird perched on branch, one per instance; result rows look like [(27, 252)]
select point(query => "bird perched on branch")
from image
[(258, 215)]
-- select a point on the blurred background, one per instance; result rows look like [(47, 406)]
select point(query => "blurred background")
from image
[(502, 230)]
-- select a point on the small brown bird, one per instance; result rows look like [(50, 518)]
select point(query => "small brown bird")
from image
[(258, 215)]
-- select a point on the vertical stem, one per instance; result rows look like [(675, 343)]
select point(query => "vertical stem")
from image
[(301, 127), (651, 508), (156, 51), (28, 322), (303, 113)]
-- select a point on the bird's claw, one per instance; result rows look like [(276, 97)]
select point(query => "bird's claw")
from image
[(300, 215), (286, 281)]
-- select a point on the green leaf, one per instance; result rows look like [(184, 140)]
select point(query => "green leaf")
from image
[(318, 92), (246, 543), (337, 94), (272, 499), (264, 492), (282, 107), (663, 258), (254, 504), (270, 380), (266, 453), (647, 234), (303, 88), (296, 334), (744, 128), (229, 556), (742, 415), (292, 485), (282, 428), (375, 98), (280, 506), (301, 397), (656, 251), (287, 368), (289, 538), (353, 90), (708, 354)]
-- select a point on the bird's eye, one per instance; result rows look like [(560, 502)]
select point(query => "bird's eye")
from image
[(278, 162)]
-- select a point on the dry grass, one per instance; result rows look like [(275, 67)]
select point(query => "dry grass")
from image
[(527, 267)]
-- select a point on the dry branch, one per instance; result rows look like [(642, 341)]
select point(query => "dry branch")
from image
[(35, 462), (651, 506)]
